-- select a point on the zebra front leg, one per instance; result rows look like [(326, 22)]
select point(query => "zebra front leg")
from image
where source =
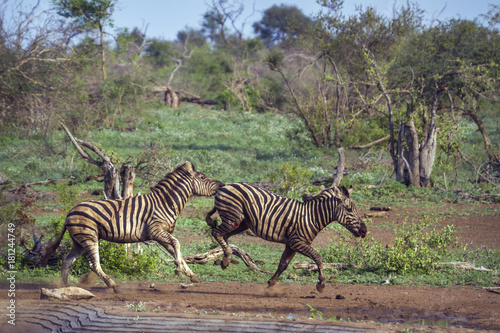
[(172, 245), (305, 249), (286, 257)]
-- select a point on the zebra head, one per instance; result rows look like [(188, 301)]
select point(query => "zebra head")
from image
[(202, 184), (349, 216)]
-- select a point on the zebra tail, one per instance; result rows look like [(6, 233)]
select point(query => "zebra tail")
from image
[(52, 247), (208, 218)]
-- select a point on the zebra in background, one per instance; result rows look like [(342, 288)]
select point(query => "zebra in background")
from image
[(279, 219), (135, 219)]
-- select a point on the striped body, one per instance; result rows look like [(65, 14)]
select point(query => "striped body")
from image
[(279, 219), (135, 219)]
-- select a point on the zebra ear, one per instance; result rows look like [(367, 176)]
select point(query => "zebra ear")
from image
[(346, 192), (189, 167)]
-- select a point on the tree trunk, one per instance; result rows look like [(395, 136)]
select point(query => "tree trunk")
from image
[(172, 98), (490, 151), (103, 53), (127, 175), (111, 174)]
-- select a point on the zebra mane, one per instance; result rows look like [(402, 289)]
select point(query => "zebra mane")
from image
[(325, 193), (175, 175)]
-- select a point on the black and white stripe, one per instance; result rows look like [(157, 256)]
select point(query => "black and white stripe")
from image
[(279, 219), (135, 219)]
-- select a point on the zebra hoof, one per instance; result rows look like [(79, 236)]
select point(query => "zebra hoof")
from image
[(320, 287), (116, 289), (224, 263), (194, 279)]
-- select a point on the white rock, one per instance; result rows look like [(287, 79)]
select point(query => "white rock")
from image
[(73, 293)]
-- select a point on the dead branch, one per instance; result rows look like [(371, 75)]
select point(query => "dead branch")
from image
[(337, 178), (495, 290), (368, 145), (466, 265), (381, 209), (51, 181), (111, 173), (313, 267), (212, 255)]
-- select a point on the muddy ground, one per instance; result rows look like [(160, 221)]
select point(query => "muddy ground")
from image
[(379, 308)]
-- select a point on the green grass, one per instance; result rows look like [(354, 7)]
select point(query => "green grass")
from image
[(233, 147)]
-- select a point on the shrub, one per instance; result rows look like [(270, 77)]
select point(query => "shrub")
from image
[(114, 260), (292, 180), (416, 249)]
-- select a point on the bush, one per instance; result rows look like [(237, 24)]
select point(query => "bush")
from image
[(416, 249), (114, 260), (293, 181)]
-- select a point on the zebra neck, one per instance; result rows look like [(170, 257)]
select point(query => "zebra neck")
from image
[(175, 188), (322, 212)]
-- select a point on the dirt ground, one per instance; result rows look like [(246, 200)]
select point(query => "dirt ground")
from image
[(383, 308)]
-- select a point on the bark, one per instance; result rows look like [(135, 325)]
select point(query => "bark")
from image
[(212, 255), (127, 175), (340, 168), (172, 98), (313, 267), (111, 173), (490, 151)]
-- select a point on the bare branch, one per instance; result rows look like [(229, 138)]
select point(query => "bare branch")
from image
[(368, 145), (337, 178)]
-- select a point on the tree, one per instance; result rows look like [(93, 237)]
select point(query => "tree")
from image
[(159, 53), (219, 22), (34, 61), (89, 15), (281, 23)]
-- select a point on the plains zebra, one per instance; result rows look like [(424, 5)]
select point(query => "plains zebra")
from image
[(282, 220), (135, 219)]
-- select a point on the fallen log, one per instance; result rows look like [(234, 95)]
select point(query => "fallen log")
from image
[(495, 290), (375, 214), (381, 209), (198, 100), (313, 267), (466, 265), (212, 255)]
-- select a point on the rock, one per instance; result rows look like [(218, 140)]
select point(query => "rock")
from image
[(68, 293)]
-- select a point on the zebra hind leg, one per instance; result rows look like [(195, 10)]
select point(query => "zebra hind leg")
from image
[(305, 249), (75, 253), (286, 257), (95, 265), (232, 223), (173, 246)]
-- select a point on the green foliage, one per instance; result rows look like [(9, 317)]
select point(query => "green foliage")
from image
[(417, 248), (68, 195), (281, 23), (159, 53), (292, 180), (115, 260), (274, 58), (15, 224), (315, 313), (227, 100)]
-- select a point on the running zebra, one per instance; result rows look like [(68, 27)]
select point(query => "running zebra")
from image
[(135, 219), (282, 220)]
